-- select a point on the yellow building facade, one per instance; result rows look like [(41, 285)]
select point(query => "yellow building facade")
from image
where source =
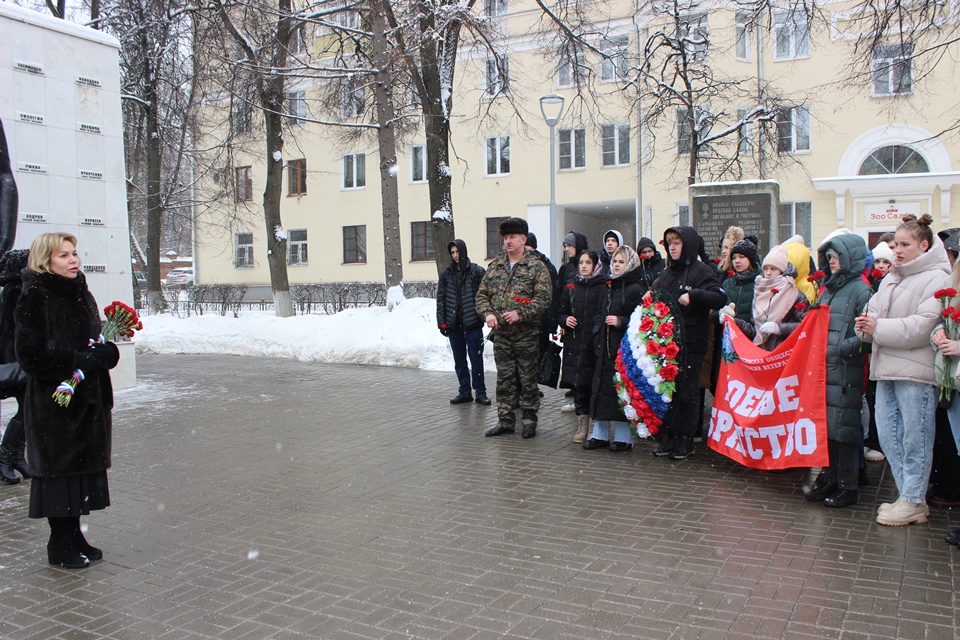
[(854, 151)]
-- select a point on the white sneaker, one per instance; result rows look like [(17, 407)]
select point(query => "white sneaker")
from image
[(903, 513), (568, 408), (886, 506), (872, 455)]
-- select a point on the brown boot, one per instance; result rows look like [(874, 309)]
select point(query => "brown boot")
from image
[(583, 427)]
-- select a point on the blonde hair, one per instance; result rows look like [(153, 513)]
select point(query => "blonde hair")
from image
[(43, 248), (733, 236)]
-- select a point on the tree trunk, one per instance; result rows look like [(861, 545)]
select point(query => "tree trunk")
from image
[(387, 142), (154, 198)]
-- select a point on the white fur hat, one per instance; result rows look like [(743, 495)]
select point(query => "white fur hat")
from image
[(883, 252)]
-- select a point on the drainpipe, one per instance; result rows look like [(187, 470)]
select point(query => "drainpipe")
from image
[(762, 156)]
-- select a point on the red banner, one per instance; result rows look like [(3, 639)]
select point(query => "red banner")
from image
[(769, 411)]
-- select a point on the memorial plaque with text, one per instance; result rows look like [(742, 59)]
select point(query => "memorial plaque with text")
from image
[(713, 215)]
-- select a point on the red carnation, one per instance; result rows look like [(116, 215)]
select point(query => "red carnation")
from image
[(571, 286), (444, 326), (661, 310), (672, 350), (609, 282), (646, 324), (945, 293), (665, 330), (948, 312), (956, 316), (669, 372), (647, 301), (716, 261), (774, 291), (876, 274), (816, 275), (799, 306), (731, 273)]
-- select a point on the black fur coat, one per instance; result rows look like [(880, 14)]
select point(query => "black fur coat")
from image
[(55, 318)]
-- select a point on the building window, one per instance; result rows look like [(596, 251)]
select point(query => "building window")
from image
[(893, 160), (242, 117), (744, 22), (244, 252), (615, 64), (683, 215), (494, 241), (492, 8), (355, 171), (297, 177), (298, 43), (891, 69), (418, 163), (497, 76), (296, 108), (297, 247), (744, 140), (791, 34), (795, 219), (351, 99), (793, 130), (244, 183), (355, 244), (696, 35), (573, 153), (615, 145), (568, 70), (347, 18), (684, 131), (422, 241), (498, 156)]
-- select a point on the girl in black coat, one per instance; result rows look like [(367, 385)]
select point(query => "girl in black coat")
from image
[(622, 294), (579, 302), (68, 448), (651, 262)]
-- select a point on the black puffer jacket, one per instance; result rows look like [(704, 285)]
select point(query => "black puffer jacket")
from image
[(570, 270), (847, 294), (620, 298), (457, 292), (691, 276), (11, 264), (548, 323), (55, 318), (650, 268), (582, 302)]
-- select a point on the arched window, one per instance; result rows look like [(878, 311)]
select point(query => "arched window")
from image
[(892, 160)]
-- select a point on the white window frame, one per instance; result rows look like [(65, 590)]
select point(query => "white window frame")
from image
[(744, 134), (891, 62), (494, 151), (616, 65), (418, 163), (698, 23), (805, 226), (801, 138), (742, 37), (296, 103), (246, 248), (565, 68), (787, 27), (494, 8), (619, 136), (496, 78), (354, 171), (296, 248), (576, 140), (352, 98)]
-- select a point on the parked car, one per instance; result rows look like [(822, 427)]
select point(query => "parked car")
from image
[(180, 277)]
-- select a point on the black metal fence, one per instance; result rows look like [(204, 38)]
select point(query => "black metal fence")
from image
[(323, 298)]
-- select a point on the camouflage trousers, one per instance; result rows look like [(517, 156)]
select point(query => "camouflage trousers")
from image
[(517, 358)]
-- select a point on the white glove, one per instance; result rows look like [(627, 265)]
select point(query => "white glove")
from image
[(770, 329), (728, 310)]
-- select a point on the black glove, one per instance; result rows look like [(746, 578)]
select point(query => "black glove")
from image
[(445, 331), (86, 361), (106, 353)]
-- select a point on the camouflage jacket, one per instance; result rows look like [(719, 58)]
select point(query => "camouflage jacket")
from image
[(526, 289)]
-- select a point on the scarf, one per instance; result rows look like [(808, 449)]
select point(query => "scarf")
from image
[(633, 260), (769, 306), (597, 270)]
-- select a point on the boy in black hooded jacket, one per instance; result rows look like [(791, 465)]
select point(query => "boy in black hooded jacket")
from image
[(694, 289)]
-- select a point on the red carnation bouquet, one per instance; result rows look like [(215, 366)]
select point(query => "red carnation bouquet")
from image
[(122, 321), (951, 327)]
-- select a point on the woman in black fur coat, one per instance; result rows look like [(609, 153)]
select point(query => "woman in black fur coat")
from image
[(68, 448)]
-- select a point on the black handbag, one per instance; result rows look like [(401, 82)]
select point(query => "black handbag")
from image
[(548, 373)]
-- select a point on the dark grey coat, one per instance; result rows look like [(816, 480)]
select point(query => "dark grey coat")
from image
[(579, 357), (847, 295)]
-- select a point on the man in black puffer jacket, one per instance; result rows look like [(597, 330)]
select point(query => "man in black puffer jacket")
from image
[(574, 243), (694, 289), (458, 320)]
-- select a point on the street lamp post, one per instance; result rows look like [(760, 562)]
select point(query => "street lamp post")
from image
[(551, 106)]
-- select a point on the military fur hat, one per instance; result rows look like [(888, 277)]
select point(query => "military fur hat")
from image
[(514, 225)]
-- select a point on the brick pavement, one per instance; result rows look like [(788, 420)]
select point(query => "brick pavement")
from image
[(272, 499)]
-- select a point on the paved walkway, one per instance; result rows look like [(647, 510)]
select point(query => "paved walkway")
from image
[(272, 499)]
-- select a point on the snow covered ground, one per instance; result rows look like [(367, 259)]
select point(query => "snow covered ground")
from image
[(406, 337)]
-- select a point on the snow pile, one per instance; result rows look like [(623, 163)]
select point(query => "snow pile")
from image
[(407, 337), (394, 297)]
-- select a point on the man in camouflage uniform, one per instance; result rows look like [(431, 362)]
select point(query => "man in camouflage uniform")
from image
[(513, 295)]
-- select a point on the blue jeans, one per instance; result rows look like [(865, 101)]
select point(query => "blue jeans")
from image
[(468, 343), (906, 424), (621, 430)]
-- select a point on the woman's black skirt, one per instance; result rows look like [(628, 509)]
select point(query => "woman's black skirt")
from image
[(69, 496)]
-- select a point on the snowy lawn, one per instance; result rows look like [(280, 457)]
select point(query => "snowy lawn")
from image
[(406, 337)]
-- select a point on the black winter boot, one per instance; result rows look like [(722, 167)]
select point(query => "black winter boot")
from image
[(61, 549), (81, 543), (7, 474), (14, 443)]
